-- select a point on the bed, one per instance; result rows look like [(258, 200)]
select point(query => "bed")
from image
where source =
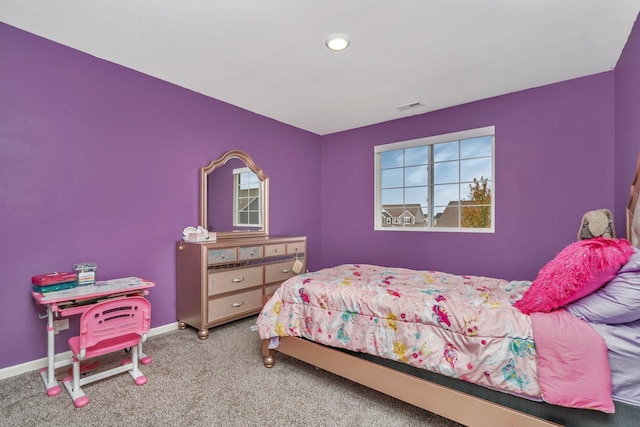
[(509, 352)]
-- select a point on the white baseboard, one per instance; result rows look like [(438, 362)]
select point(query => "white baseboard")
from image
[(162, 329), (35, 365)]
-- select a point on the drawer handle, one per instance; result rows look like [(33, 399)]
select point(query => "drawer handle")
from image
[(275, 250), (237, 304), (223, 256), (286, 270), (238, 280)]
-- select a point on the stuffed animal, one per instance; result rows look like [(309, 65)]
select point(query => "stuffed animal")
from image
[(598, 223)]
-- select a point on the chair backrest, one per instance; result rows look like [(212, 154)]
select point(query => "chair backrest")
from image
[(114, 318)]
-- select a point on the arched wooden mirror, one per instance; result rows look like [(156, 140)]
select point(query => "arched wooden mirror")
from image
[(234, 197)]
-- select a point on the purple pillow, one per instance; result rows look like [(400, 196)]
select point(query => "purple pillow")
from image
[(578, 270), (616, 302)]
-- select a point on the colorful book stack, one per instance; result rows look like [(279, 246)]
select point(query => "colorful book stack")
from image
[(50, 282)]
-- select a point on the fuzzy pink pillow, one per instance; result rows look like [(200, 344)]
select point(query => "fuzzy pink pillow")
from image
[(579, 269)]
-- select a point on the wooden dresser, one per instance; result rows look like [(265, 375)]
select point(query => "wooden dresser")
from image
[(224, 281)]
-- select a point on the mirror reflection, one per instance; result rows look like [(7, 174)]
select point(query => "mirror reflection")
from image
[(234, 196), (247, 193)]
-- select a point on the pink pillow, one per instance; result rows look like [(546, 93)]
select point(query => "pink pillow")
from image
[(579, 269)]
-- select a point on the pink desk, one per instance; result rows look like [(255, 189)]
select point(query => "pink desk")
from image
[(74, 301)]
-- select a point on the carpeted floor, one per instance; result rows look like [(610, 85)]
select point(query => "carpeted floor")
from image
[(220, 381)]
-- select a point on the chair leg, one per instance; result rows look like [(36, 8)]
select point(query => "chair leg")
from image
[(144, 359), (72, 384), (138, 377)]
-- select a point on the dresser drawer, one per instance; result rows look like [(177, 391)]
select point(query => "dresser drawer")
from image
[(221, 308), (271, 289), (278, 272), (249, 252), (217, 256), (233, 280), (295, 248), (274, 250)]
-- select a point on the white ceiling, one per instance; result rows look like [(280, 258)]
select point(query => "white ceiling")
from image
[(269, 57)]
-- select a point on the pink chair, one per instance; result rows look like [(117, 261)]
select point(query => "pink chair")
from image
[(106, 327)]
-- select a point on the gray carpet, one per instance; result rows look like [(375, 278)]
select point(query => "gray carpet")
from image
[(220, 381)]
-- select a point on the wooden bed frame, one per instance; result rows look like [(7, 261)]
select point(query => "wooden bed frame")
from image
[(438, 399), (416, 391), (633, 199)]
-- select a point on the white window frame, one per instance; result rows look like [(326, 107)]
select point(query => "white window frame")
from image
[(431, 140), (236, 185)]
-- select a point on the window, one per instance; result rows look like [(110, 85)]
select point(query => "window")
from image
[(438, 183), (247, 207)]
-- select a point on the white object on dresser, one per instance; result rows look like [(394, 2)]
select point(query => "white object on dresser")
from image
[(229, 279)]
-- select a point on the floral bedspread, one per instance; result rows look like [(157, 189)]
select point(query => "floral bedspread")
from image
[(460, 326)]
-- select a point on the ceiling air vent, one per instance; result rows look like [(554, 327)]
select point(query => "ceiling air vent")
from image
[(410, 106)]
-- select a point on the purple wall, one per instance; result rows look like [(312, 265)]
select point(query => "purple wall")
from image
[(554, 162), (627, 91), (100, 163)]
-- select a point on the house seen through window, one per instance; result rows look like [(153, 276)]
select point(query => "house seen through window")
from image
[(438, 183), (247, 207)]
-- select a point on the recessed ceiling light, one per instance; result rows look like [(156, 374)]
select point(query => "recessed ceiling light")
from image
[(337, 42)]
